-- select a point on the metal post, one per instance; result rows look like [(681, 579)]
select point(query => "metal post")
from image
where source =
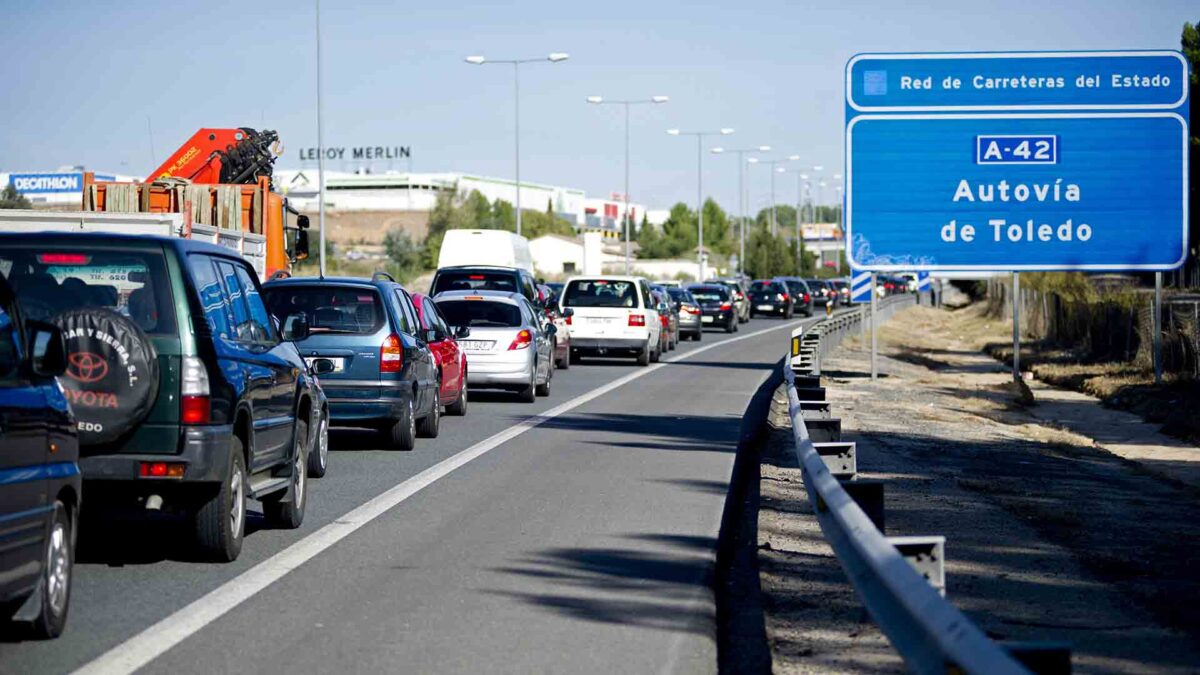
[(517, 108), (773, 226), (1016, 305), (626, 188), (874, 332), (741, 213), (1158, 364), (320, 152), (700, 200)]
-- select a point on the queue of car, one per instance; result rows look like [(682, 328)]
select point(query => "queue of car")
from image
[(165, 376)]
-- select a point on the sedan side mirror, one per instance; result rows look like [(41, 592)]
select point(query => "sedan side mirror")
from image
[(662, 308), (551, 329), (301, 245), (48, 355), (295, 327), (434, 335), (462, 332), (567, 312)]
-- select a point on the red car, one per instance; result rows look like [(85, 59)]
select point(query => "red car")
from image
[(450, 359)]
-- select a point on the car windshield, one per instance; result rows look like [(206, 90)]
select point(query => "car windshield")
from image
[(765, 287), (480, 313), (710, 294), (600, 293), (797, 287), (51, 280), (477, 280), (329, 309)]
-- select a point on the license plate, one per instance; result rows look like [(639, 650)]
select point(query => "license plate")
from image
[(766, 308), (601, 320), (706, 319), (339, 364), (477, 345)]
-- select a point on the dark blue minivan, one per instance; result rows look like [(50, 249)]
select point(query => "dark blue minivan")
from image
[(380, 372)]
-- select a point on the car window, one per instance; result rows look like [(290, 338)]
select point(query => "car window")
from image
[(481, 280), (710, 293), (435, 317), (528, 289), (346, 310), (50, 280), (10, 350), (260, 318), (600, 293), (480, 313), (212, 295), (408, 314), (245, 329)]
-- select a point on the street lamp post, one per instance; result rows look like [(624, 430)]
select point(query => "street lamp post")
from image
[(555, 57), (741, 154), (320, 154), (775, 168), (598, 100), (700, 186)]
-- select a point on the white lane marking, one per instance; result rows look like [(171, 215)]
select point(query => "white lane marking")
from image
[(154, 641)]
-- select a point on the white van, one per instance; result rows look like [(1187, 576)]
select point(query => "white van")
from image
[(495, 248), (613, 315)]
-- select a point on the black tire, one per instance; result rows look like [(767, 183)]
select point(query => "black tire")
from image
[(731, 326), (429, 425), (543, 389), (699, 335), (459, 407), (529, 393), (656, 354), (574, 358), (318, 454), (751, 315), (289, 515), (219, 524), (402, 434), (58, 564), (643, 357)]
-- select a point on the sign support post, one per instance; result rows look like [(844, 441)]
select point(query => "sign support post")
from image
[(1158, 364), (1016, 309), (874, 332)]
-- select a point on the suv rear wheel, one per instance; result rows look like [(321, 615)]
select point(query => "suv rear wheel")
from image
[(643, 357), (220, 522), (55, 585), (428, 426), (402, 435), (289, 514)]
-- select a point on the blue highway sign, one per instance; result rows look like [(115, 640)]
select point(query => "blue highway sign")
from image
[(1017, 161), (923, 282)]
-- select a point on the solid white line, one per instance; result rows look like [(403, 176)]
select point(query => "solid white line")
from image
[(156, 640)]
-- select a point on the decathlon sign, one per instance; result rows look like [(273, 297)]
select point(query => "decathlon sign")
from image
[(46, 183), (1017, 161)]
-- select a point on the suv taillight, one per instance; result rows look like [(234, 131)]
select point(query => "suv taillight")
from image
[(637, 320), (195, 406), (522, 341), (725, 306), (783, 297), (806, 297), (391, 357), (568, 320)]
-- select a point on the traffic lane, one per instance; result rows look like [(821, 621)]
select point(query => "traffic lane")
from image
[(131, 574), (585, 544)]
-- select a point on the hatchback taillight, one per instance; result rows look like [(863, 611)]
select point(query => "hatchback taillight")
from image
[(637, 320), (783, 297), (806, 297), (195, 406), (522, 341), (568, 320), (725, 306), (391, 356)]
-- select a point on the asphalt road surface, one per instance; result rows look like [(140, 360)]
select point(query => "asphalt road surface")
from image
[(573, 534)]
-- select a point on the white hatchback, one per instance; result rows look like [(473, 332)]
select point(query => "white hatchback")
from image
[(614, 315)]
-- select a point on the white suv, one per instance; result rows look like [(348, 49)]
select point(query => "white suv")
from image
[(614, 315)]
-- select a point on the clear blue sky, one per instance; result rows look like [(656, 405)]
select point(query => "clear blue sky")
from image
[(81, 79)]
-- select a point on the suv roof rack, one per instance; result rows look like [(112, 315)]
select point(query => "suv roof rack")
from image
[(383, 275)]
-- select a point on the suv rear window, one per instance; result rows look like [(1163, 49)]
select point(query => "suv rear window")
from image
[(481, 280), (51, 280), (765, 287), (600, 293), (329, 309), (480, 313), (710, 293)]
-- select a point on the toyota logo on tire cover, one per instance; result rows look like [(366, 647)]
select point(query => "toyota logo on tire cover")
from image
[(112, 372), (86, 367)]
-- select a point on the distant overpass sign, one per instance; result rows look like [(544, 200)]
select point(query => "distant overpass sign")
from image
[(1017, 161)]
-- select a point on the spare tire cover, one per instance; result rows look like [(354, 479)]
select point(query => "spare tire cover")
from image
[(112, 372)]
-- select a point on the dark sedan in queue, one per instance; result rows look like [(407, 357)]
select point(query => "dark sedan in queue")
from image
[(716, 306)]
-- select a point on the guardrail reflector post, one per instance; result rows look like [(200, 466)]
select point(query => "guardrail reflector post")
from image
[(927, 555), (868, 494), (795, 346), (1042, 658), (840, 458)]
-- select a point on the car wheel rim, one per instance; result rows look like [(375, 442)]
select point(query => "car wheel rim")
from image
[(237, 506), (323, 440), (58, 569), (412, 419), (299, 466)]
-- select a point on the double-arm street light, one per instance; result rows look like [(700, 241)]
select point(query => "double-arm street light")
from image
[(598, 100), (700, 185), (741, 155), (556, 57), (775, 168)]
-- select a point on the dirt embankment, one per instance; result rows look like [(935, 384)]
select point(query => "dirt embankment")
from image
[(1049, 535)]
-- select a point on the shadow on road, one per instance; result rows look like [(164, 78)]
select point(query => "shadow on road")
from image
[(694, 433)]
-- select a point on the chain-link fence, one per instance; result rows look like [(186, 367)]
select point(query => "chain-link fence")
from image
[(1116, 328)]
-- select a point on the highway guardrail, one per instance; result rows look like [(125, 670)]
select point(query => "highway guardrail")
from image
[(900, 580)]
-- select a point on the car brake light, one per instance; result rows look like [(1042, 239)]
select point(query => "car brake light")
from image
[(637, 320), (476, 277), (783, 297), (195, 406), (64, 258), (161, 469), (725, 306), (567, 320), (390, 355), (806, 297), (522, 341)]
